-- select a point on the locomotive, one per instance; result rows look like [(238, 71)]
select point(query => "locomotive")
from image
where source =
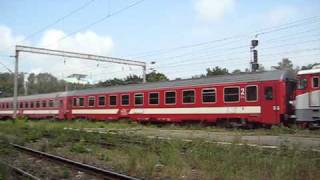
[(249, 99)]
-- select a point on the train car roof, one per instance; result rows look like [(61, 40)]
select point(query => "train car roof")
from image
[(245, 77)]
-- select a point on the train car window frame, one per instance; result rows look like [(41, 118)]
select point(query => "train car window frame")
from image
[(26, 105), (51, 103), (99, 101), (194, 96), (313, 82), (215, 95), (149, 98), (90, 100), (44, 103), (121, 99), (135, 100), (38, 104), (257, 93), (116, 100), (267, 96), (74, 102), (302, 84), (224, 94), (175, 97), (79, 102)]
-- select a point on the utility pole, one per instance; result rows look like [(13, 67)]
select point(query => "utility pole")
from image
[(15, 88), (25, 84), (254, 60)]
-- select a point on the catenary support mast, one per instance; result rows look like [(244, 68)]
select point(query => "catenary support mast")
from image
[(68, 54)]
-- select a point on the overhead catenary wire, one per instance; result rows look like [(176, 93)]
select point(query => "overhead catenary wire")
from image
[(74, 11), (184, 62), (109, 15), (246, 35), (235, 48), (6, 67)]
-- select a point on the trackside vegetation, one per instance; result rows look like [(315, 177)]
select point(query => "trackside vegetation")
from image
[(158, 158)]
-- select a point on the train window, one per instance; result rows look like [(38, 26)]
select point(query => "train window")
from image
[(91, 101), (268, 93), (60, 103), (251, 93), (51, 103), (112, 100), (208, 95), (302, 83), (102, 100), (44, 103), (21, 105), (26, 105), (138, 99), (170, 97), (231, 94), (315, 82), (74, 102), (125, 100), (188, 96), (153, 98), (31, 104), (81, 101), (38, 104)]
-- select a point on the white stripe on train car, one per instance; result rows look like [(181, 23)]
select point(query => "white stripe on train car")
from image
[(6, 112), (51, 111), (199, 110), (95, 111)]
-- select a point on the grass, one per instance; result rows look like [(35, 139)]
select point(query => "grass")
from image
[(166, 159)]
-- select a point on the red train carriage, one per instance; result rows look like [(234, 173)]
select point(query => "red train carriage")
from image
[(247, 98)]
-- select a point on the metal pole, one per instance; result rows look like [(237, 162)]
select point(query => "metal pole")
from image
[(144, 74), (25, 84), (15, 89)]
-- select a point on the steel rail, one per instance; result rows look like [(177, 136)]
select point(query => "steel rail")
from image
[(106, 174), (20, 171)]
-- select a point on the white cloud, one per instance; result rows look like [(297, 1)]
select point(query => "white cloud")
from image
[(86, 42), (213, 10), (8, 40), (280, 14), (83, 42)]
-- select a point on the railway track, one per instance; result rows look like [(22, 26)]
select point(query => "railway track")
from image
[(20, 172), (105, 174)]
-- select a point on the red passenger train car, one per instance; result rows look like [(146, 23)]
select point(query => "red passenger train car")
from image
[(244, 99)]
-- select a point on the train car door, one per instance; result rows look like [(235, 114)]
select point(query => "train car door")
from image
[(270, 106), (61, 107)]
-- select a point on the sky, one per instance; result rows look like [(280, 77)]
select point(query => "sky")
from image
[(182, 37)]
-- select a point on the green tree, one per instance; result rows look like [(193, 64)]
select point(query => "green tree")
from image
[(156, 76), (285, 64), (217, 71), (6, 84), (309, 66), (44, 83), (236, 71)]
